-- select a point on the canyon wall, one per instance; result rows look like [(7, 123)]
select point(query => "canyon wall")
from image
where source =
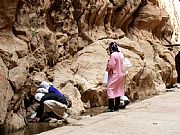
[(64, 42), (172, 9)]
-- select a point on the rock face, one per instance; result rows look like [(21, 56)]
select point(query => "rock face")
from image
[(171, 7), (6, 92), (65, 41)]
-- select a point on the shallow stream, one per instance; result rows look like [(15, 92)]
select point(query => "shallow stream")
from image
[(36, 128), (32, 128)]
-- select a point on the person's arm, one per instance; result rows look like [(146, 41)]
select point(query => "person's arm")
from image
[(39, 110), (111, 63)]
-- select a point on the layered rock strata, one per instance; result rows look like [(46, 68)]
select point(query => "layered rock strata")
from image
[(64, 42)]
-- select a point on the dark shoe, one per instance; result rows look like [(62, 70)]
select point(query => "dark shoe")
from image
[(111, 104), (126, 102), (117, 109), (109, 110), (122, 107), (117, 103)]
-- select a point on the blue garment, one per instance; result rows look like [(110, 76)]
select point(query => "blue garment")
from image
[(49, 96), (54, 90)]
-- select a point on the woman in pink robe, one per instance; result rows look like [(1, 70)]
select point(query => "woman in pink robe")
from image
[(115, 86)]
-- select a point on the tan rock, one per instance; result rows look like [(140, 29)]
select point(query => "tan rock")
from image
[(67, 47), (18, 76), (6, 92), (15, 122), (75, 96)]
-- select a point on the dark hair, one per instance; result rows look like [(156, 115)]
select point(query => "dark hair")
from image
[(113, 47)]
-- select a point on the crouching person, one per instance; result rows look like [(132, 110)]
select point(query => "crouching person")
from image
[(51, 102)]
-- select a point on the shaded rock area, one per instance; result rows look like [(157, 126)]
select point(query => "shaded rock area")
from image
[(65, 43)]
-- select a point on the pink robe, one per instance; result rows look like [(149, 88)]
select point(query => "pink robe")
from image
[(115, 86)]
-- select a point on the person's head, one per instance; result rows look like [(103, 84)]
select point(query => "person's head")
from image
[(38, 96), (44, 85), (42, 90), (113, 47)]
